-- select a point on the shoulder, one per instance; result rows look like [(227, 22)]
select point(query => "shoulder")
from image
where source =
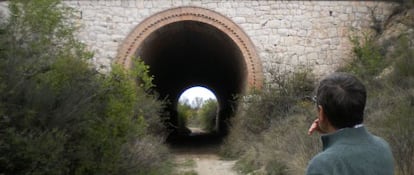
[(379, 144), (320, 164), (380, 141), (383, 148)]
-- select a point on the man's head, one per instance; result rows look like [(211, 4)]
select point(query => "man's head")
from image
[(342, 98)]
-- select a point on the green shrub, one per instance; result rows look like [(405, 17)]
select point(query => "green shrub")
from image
[(269, 130), (33, 152), (60, 116), (369, 60)]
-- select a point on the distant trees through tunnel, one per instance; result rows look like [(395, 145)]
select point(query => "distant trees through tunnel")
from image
[(190, 53), (198, 110)]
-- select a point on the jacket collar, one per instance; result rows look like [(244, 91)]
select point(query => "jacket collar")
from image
[(344, 135)]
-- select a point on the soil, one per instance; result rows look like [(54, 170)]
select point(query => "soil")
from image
[(198, 154)]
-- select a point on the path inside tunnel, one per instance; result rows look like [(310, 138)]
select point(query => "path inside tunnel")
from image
[(190, 53)]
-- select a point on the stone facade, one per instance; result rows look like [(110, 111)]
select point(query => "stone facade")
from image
[(287, 35)]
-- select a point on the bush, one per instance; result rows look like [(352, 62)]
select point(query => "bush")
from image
[(269, 130), (60, 116), (369, 59)]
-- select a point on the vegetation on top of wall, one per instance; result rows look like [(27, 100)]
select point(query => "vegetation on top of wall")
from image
[(369, 59), (58, 115)]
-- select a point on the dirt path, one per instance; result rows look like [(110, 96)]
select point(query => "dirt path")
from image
[(201, 160), (204, 164)]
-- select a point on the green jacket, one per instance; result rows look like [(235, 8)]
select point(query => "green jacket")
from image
[(352, 151)]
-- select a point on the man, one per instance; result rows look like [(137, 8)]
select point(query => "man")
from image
[(348, 148)]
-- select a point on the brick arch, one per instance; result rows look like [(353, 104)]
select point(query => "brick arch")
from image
[(134, 40)]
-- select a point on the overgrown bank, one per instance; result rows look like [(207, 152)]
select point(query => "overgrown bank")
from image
[(58, 115), (269, 133)]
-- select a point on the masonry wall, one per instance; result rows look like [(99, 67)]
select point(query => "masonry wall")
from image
[(288, 35)]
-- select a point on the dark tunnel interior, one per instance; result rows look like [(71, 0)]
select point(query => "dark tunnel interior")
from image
[(190, 53)]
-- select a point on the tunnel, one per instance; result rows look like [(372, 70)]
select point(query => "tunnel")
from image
[(189, 53)]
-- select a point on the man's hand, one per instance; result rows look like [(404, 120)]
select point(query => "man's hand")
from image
[(314, 127)]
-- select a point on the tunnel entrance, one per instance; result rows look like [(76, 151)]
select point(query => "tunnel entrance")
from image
[(190, 46), (188, 53)]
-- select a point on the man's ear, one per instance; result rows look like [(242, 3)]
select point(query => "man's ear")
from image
[(321, 114), (324, 123), (323, 120)]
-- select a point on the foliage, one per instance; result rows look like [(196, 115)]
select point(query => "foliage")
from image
[(202, 115), (207, 114), (186, 113), (402, 74), (141, 71), (390, 99), (60, 116), (272, 124), (369, 59)]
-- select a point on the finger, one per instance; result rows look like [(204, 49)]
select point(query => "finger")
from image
[(314, 127)]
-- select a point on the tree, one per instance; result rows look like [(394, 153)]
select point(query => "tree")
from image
[(197, 102)]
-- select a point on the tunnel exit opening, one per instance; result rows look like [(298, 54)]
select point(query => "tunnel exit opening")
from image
[(198, 110)]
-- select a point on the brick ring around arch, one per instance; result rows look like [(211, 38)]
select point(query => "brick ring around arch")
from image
[(134, 40)]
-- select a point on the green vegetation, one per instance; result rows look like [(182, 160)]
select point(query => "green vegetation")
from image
[(269, 136), (60, 116), (368, 58), (269, 129), (391, 103), (186, 113), (201, 116), (208, 115)]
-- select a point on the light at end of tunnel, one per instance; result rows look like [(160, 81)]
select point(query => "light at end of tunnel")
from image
[(192, 94)]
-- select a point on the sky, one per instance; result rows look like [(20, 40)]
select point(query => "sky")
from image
[(197, 91)]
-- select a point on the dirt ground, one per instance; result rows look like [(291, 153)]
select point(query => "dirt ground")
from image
[(198, 158), (203, 164)]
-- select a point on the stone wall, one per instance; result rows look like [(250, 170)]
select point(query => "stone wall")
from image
[(287, 35)]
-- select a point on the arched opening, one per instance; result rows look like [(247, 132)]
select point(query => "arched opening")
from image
[(192, 46)]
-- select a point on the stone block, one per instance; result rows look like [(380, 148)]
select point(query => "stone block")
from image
[(274, 23), (239, 20), (283, 32), (332, 32)]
